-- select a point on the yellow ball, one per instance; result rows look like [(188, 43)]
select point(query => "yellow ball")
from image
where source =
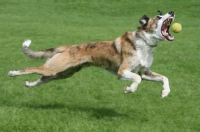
[(176, 27)]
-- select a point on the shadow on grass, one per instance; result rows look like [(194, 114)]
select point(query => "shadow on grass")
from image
[(98, 113), (93, 111), (45, 106)]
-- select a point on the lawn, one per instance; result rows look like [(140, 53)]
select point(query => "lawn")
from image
[(93, 100)]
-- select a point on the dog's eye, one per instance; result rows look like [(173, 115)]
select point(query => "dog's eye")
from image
[(159, 17)]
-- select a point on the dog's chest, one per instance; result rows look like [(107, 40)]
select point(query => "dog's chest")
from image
[(145, 58), (144, 54)]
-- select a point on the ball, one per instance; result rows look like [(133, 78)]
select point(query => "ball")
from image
[(176, 27)]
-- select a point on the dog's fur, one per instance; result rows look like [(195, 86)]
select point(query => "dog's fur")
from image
[(129, 56)]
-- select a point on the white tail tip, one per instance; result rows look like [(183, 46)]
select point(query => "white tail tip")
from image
[(26, 43)]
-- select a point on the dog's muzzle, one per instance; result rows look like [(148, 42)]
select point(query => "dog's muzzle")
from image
[(166, 25)]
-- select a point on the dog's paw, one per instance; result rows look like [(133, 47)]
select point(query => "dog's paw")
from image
[(165, 92), (13, 73), (27, 84), (129, 90), (132, 88), (125, 90)]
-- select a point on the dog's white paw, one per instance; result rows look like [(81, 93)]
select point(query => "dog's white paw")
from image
[(129, 89), (125, 90), (132, 88), (13, 73), (165, 92), (28, 84)]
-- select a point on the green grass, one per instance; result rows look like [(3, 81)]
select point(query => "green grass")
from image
[(93, 100)]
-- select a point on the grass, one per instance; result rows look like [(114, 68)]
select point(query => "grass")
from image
[(92, 100)]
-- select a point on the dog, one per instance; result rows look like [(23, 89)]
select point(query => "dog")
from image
[(129, 56)]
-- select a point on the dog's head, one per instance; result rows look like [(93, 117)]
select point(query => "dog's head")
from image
[(158, 25)]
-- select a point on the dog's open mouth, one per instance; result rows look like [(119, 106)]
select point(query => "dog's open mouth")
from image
[(165, 28)]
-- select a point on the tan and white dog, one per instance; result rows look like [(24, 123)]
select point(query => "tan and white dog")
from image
[(129, 56)]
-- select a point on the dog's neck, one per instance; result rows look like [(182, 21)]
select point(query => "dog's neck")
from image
[(146, 38), (145, 42)]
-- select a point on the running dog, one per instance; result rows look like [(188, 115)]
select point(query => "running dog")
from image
[(129, 56)]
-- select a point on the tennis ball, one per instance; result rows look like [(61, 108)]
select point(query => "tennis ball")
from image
[(176, 27)]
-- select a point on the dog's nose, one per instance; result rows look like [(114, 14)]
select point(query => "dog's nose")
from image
[(171, 13)]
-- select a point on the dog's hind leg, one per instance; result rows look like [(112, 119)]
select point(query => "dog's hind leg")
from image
[(37, 70), (61, 75), (42, 80)]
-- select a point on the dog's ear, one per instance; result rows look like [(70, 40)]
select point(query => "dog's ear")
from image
[(144, 20), (160, 12)]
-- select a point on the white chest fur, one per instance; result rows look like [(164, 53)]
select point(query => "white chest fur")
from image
[(145, 47), (144, 54)]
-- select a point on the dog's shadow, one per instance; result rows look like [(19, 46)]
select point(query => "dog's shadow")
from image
[(98, 113)]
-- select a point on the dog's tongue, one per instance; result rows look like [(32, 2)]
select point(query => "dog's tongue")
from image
[(166, 34)]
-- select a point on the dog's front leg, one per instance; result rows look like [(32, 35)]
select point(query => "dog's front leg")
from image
[(152, 76), (128, 75)]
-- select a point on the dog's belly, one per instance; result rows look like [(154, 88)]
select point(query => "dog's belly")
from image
[(110, 64)]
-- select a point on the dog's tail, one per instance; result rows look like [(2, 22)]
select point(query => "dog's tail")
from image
[(42, 54)]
